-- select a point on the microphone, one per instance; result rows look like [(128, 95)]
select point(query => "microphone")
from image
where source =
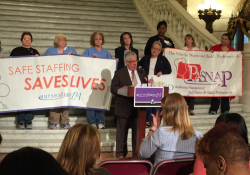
[(141, 70)]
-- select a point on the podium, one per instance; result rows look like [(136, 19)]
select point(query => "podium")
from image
[(141, 114)]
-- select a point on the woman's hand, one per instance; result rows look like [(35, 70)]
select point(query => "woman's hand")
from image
[(70, 53), (117, 59), (94, 55), (242, 52), (0, 57), (159, 74), (156, 120), (211, 51), (36, 55)]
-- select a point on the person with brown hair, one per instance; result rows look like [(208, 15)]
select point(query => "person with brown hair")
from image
[(177, 137), (223, 151), (80, 149), (24, 118), (95, 117), (190, 45)]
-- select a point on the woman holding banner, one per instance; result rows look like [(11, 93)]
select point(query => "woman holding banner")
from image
[(155, 64), (190, 45), (215, 101), (24, 119), (60, 47), (95, 117)]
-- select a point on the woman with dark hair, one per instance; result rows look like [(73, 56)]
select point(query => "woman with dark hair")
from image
[(30, 161), (24, 118), (231, 120), (80, 149), (223, 151), (215, 101), (126, 42), (165, 41)]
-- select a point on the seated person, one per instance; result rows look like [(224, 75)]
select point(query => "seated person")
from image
[(177, 137), (30, 161), (80, 149), (224, 151), (232, 119)]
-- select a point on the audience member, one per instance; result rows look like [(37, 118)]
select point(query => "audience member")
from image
[(165, 41), (232, 119), (79, 151), (190, 45), (24, 118), (96, 117), (126, 41), (154, 64), (30, 161), (177, 137), (1, 51), (215, 101), (125, 111), (60, 47), (224, 151)]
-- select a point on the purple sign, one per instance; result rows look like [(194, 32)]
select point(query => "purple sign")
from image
[(148, 95)]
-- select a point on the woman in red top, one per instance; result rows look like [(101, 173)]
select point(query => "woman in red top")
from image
[(215, 101)]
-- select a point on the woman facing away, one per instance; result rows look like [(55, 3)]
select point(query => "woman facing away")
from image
[(232, 119), (176, 138), (190, 45), (79, 151)]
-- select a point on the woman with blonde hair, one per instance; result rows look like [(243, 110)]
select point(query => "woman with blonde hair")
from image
[(60, 47), (79, 151), (176, 138)]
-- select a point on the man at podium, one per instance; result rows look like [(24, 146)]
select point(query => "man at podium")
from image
[(125, 111)]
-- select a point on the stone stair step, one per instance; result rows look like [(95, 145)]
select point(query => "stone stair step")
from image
[(70, 4)]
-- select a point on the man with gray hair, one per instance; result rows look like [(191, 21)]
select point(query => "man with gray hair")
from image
[(124, 106)]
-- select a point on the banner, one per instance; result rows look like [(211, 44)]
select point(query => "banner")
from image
[(33, 83), (206, 74)]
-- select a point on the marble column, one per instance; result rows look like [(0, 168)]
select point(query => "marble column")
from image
[(245, 99)]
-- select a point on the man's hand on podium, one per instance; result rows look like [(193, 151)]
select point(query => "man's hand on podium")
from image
[(150, 81)]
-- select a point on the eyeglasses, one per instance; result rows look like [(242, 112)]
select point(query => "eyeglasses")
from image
[(133, 61), (26, 39)]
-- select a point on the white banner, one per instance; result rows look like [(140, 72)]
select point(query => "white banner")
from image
[(55, 81), (206, 74)]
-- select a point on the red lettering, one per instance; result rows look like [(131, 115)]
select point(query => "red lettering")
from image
[(71, 82), (57, 81), (103, 85), (45, 82), (30, 69), (78, 81), (17, 70), (55, 66), (37, 67), (76, 69), (24, 68), (10, 69), (49, 68), (85, 85), (29, 85), (60, 66), (37, 84), (43, 67), (65, 80), (94, 83)]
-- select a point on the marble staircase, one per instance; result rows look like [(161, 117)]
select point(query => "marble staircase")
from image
[(76, 19), (50, 140)]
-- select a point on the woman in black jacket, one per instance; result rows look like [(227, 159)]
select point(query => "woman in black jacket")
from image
[(126, 45), (154, 64)]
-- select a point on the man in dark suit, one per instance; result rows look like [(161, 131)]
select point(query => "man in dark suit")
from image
[(124, 106)]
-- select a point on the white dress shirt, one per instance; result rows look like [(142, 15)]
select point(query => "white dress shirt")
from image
[(152, 66), (136, 76)]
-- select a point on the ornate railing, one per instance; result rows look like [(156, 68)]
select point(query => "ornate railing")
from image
[(180, 22)]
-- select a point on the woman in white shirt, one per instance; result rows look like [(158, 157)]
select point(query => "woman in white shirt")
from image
[(154, 64), (190, 45), (176, 138)]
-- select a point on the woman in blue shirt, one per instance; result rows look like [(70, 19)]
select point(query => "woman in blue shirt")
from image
[(96, 117), (60, 47)]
